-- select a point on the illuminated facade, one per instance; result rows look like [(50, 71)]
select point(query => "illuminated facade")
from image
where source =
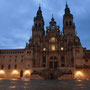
[(50, 53)]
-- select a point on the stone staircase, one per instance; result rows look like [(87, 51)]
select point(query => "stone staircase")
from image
[(51, 74), (60, 73)]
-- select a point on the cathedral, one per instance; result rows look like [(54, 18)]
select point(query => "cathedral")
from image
[(50, 53)]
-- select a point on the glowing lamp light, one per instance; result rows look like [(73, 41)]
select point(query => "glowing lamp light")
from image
[(27, 72), (44, 49), (2, 72), (15, 72), (79, 75), (53, 39), (53, 47), (62, 48)]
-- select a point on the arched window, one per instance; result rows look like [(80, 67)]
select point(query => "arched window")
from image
[(70, 23), (62, 59), (62, 65), (44, 61), (53, 58), (2, 66), (66, 23), (53, 39), (9, 66), (15, 60), (53, 48), (21, 60), (39, 24), (36, 25), (15, 66), (72, 62)]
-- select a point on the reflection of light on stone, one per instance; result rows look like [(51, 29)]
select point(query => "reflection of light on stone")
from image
[(79, 75), (1, 79), (26, 83), (2, 72), (27, 79), (12, 87), (13, 79), (15, 72), (79, 80)]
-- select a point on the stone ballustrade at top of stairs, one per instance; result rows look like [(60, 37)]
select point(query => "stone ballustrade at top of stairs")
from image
[(51, 74), (60, 73), (43, 73)]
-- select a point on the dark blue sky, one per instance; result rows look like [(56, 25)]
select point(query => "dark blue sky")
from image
[(16, 19)]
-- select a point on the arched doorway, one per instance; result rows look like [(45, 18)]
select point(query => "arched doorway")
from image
[(53, 62), (51, 76), (21, 73)]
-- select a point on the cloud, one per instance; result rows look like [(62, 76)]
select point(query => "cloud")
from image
[(16, 19)]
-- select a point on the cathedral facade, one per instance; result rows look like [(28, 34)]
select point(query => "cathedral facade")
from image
[(50, 53)]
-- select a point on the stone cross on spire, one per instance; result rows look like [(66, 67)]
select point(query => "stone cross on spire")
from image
[(39, 6), (66, 5)]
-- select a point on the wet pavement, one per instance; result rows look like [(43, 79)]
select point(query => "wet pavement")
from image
[(44, 85)]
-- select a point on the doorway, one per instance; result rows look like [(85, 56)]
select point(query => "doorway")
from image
[(21, 73), (51, 76), (53, 63)]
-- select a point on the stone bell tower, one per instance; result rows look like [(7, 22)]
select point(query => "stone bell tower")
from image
[(68, 24), (38, 27)]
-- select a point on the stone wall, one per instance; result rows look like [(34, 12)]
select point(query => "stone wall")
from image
[(66, 77), (36, 77)]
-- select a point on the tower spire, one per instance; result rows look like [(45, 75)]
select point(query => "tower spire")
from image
[(66, 5), (38, 24), (39, 6), (52, 15), (66, 1), (52, 18), (67, 10), (52, 22), (39, 12)]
